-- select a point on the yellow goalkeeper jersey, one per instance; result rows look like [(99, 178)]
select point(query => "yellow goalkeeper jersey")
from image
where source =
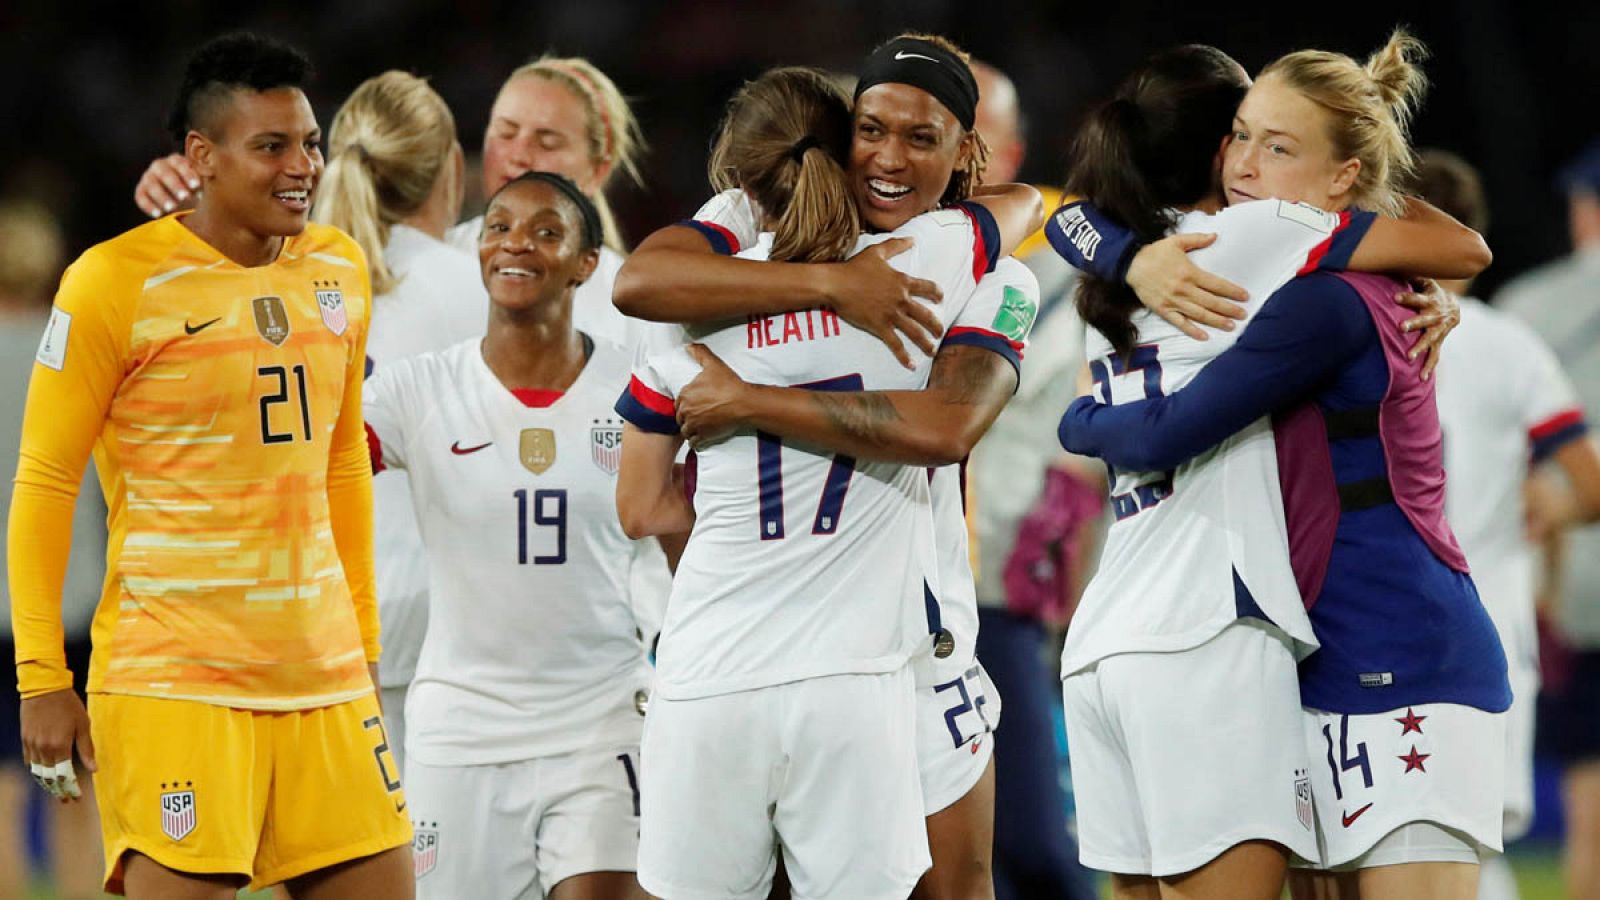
[(222, 405)]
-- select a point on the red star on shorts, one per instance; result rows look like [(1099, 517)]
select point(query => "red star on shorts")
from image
[(1413, 760), (1410, 722)]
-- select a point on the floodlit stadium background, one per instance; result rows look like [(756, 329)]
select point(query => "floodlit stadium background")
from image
[(87, 88)]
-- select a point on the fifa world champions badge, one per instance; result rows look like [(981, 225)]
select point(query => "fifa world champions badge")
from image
[(330, 302), (177, 813)]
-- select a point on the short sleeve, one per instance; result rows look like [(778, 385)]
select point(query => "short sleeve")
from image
[(727, 221), (1551, 411), (1000, 314), (383, 403), (647, 402)]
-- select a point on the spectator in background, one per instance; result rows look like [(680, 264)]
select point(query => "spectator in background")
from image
[(1561, 300), (1024, 583), (1505, 406), (31, 259)]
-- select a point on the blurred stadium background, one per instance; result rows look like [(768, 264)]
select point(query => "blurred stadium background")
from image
[(87, 88)]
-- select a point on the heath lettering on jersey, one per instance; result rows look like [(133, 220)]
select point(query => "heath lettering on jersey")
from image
[(1075, 225), (806, 325)]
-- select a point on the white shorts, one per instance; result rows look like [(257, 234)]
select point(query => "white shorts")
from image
[(955, 724), (1519, 751), (1177, 757), (519, 829), (1435, 762), (824, 768)]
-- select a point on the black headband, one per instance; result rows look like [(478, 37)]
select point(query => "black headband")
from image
[(928, 66), (593, 231)]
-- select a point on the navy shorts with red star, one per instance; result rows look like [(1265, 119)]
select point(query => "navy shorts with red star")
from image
[(1433, 762)]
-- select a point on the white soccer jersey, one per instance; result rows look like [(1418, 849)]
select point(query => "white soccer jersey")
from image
[(592, 310), (438, 301), (1166, 575), (958, 603), (531, 648), (1502, 400), (803, 563)]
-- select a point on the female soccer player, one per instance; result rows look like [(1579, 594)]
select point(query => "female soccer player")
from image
[(1218, 602), (912, 140), (212, 361), (524, 715), (1402, 700), (784, 607), (393, 183)]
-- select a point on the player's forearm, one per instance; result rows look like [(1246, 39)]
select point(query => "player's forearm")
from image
[(651, 499), (36, 566), (1425, 243), (675, 276), (919, 428)]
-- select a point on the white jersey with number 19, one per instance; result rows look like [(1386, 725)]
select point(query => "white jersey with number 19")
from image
[(1185, 542), (531, 648), (804, 563)]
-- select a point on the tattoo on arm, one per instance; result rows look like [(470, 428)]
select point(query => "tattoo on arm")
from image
[(865, 416), (962, 375)]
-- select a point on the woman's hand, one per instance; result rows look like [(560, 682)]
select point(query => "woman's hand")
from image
[(1181, 292), (1440, 314), (708, 406), (53, 725), (879, 299), (169, 183)]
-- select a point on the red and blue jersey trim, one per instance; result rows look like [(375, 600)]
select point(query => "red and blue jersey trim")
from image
[(1336, 249), (992, 341), (1556, 432), (721, 239), (646, 409), (985, 238)]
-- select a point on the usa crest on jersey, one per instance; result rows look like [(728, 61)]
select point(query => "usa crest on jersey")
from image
[(330, 302), (605, 445), (425, 849), (177, 814)]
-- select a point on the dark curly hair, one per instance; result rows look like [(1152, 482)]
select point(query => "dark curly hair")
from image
[(227, 63)]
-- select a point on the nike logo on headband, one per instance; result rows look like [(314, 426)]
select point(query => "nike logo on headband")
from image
[(904, 55)]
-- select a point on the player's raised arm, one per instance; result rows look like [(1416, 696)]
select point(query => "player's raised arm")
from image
[(679, 275), (350, 487)]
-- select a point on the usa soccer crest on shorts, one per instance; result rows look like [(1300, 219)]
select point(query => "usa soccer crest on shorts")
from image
[(177, 811)]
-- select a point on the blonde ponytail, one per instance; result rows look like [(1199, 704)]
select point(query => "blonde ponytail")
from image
[(1370, 108), (388, 145)]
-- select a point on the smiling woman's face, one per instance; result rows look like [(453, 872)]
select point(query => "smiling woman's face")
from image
[(905, 149), (1282, 148)]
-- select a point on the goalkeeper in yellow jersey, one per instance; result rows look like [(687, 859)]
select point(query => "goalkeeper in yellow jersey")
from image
[(211, 361)]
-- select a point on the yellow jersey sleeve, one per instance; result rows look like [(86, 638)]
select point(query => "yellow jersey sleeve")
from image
[(81, 362), (350, 483)]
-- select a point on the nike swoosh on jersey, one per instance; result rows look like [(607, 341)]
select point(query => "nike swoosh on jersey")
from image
[(905, 55), (459, 450), (196, 329), (1350, 818)]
